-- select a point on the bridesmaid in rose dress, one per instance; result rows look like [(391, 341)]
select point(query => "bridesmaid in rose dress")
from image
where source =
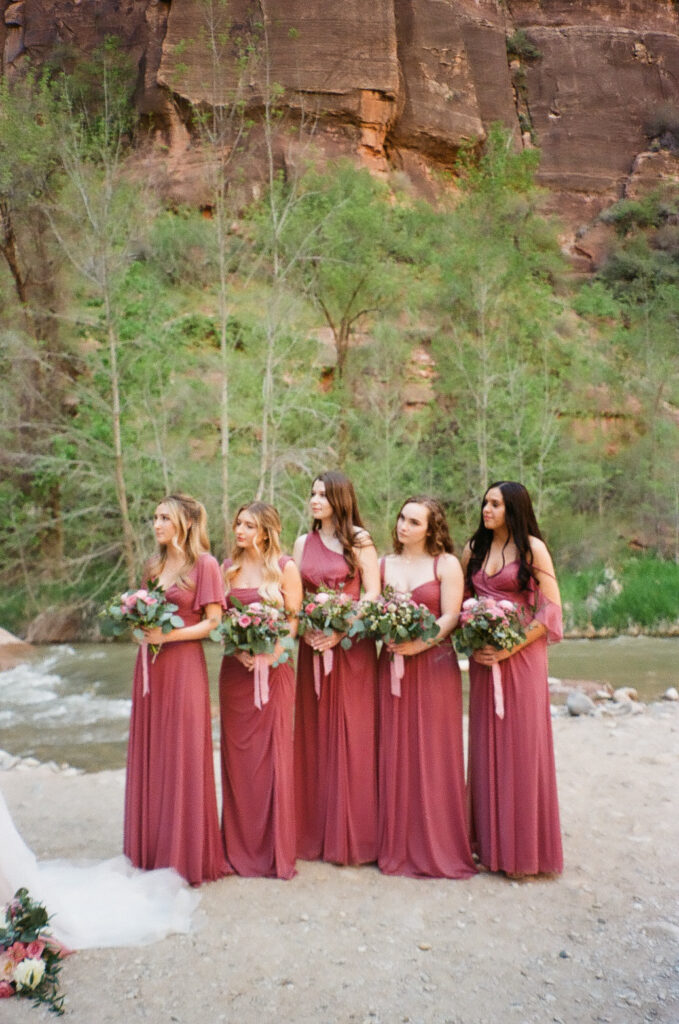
[(512, 777), (257, 752), (422, 807), (335, 751), (171, 815)]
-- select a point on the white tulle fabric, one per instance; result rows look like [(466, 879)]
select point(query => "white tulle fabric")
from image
[(95, 903)]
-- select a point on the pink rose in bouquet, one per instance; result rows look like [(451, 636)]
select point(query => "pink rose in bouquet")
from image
[(29, 958)]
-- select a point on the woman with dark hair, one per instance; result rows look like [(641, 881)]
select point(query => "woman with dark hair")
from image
[(422, 808), (170, 799), (256, 749), (335, 755), (511, 776)]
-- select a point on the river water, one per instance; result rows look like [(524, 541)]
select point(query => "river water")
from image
[(72, 703)]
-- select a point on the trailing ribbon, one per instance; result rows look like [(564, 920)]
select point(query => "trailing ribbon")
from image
[(397, 667), (327, 669), (146, 689), (497, 690), (261, 673)]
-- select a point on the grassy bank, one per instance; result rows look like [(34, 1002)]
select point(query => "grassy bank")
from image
[(638, 593)]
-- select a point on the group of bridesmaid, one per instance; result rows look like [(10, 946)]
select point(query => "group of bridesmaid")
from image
[(350, 772)]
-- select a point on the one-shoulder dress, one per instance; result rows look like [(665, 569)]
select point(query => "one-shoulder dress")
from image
[(335, 735), (423, 827), (171, 817), (257, 765), (512, 777)]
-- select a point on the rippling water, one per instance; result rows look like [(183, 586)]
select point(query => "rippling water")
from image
[(72, 704)]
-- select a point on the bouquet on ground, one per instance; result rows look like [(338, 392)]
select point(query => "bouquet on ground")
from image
[(29, 956), (329, 611), (395, 618), (485, 622), (141, 609), (255, 629)]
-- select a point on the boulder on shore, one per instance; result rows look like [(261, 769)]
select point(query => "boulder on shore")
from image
[(13, 650)]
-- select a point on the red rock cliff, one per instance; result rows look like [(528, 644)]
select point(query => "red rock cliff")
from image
[(405, 82)]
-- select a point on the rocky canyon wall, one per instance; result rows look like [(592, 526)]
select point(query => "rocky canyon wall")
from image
[(403, 83)]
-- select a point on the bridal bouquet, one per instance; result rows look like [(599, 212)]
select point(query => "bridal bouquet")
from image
[(29, 956), (485, 622), (255, 629), (141, 609), (395, 618), (329, 611)]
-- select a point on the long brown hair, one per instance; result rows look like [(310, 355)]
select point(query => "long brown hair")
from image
[(191, 538), (269, 525), (340, 493), (438, 537), (521, 526)]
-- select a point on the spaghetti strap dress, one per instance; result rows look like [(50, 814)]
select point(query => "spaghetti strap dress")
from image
[(258, 817), (423, 828), (335, 734), (171, 817), (512, 777)]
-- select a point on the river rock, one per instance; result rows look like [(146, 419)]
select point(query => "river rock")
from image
[(12, 650), (63, 625), (671, 694), (594, 689), (624, 694), (579, 703)]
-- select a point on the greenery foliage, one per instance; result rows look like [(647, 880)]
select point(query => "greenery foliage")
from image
[(421, 346)]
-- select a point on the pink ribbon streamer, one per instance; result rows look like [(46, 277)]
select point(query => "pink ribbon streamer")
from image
[(261, 673), (327, 669), (397, 668), (146, 689), (497, 690)]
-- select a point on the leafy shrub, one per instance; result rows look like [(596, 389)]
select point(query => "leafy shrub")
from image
[(663, 125), (520, 47)]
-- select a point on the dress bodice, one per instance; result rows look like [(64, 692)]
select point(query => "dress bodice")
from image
[(247, 595), (428, 593), (205, 587), (504, 585), (323, 567)]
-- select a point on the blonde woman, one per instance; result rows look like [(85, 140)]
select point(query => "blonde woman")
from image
[(171, 817), (256, 748)]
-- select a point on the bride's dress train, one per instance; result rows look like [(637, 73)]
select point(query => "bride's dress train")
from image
[(95, 903)]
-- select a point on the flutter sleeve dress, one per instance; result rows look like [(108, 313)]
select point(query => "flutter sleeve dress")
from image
[(335, 734), (171, 817), (512, 777), (423, 828), (257, 764)]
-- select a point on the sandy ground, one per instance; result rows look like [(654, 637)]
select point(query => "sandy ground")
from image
[(600, 944)]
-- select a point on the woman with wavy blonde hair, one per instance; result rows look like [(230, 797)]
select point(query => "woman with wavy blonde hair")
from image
[(171, 815), (256, 748)]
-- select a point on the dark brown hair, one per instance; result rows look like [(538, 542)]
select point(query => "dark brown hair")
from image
[(438, 537), (340, 493), (521, 526)]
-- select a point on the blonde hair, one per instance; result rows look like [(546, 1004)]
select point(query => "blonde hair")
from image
[(269, 549), (191, 540)]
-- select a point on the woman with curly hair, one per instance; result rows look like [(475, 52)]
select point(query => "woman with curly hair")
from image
[(422, 811), (335, 754), (512, 778), (170, 799), (256, 749)]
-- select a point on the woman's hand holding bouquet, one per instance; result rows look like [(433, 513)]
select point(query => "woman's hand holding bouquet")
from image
[(258, 634), (396, 620), (328, 614), (485, 622)]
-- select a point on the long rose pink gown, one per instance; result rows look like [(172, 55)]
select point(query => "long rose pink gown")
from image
[(512, 777), (171, 815), (335, 748), (257, 765), (422, 805)]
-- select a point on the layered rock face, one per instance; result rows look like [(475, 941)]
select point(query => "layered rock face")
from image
[(402, 83)]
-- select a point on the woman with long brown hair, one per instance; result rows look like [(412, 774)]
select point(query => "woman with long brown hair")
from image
[(256, 748), (335, 750), (423, 817), (512, 777), (171, 815)]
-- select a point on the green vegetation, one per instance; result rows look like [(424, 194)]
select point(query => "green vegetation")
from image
[(332, 320), (521, 47)]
